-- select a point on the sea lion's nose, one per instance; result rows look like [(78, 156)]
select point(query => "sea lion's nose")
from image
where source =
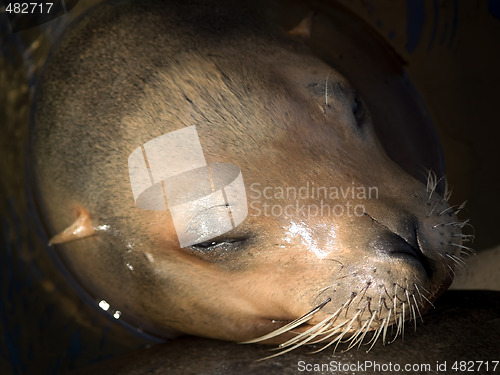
[(407, 248)]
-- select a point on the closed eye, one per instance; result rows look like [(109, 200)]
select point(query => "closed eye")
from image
[(218, 244), (358, 110), (206, 245)]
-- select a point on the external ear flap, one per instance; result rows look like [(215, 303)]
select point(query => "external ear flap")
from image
[(81, 228), (303, 29)]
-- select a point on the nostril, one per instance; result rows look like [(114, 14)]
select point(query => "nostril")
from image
[(400, 246), (389, 243)]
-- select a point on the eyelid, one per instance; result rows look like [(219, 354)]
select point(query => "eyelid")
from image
[(360, 111), (207, 245), (356, 104)]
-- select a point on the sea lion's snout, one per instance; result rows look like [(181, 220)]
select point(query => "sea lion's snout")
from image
[(407, 248)]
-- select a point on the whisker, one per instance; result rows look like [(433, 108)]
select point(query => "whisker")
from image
[(469, 249), (418, 310), (353, 338), (434, 188), (433, 208), (384, 335), (451, 271), (365, 329), (330, 334), (335, 331), (403, 315), (292, 347), (447, 191), (460, 208), (428, 300), (456, 211), (419, 293), (313, 329), (285, 350), (329, 343), (398, 327), (328, 331), (458, 261), (447, 195), (414, 318), (346, 330), (465, 237), (376, 336), (431, 180), (459, 224), (289, 326)]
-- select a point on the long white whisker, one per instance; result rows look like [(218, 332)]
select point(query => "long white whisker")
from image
[(365, 329), (289, 326), (376, 336), (384, 335), (306, 333)]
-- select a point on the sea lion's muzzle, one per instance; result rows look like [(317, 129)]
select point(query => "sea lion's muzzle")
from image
[(393, 245)]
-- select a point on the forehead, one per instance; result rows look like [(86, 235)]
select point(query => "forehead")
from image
[(254, 90)]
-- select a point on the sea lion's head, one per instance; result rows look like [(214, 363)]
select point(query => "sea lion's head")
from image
[(338, 239)]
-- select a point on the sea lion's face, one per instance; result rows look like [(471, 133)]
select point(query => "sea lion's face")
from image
[(333, 224)]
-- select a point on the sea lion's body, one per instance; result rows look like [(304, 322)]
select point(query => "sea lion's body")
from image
[(263, 102)]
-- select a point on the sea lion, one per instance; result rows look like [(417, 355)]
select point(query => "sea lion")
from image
[(350, 243)]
